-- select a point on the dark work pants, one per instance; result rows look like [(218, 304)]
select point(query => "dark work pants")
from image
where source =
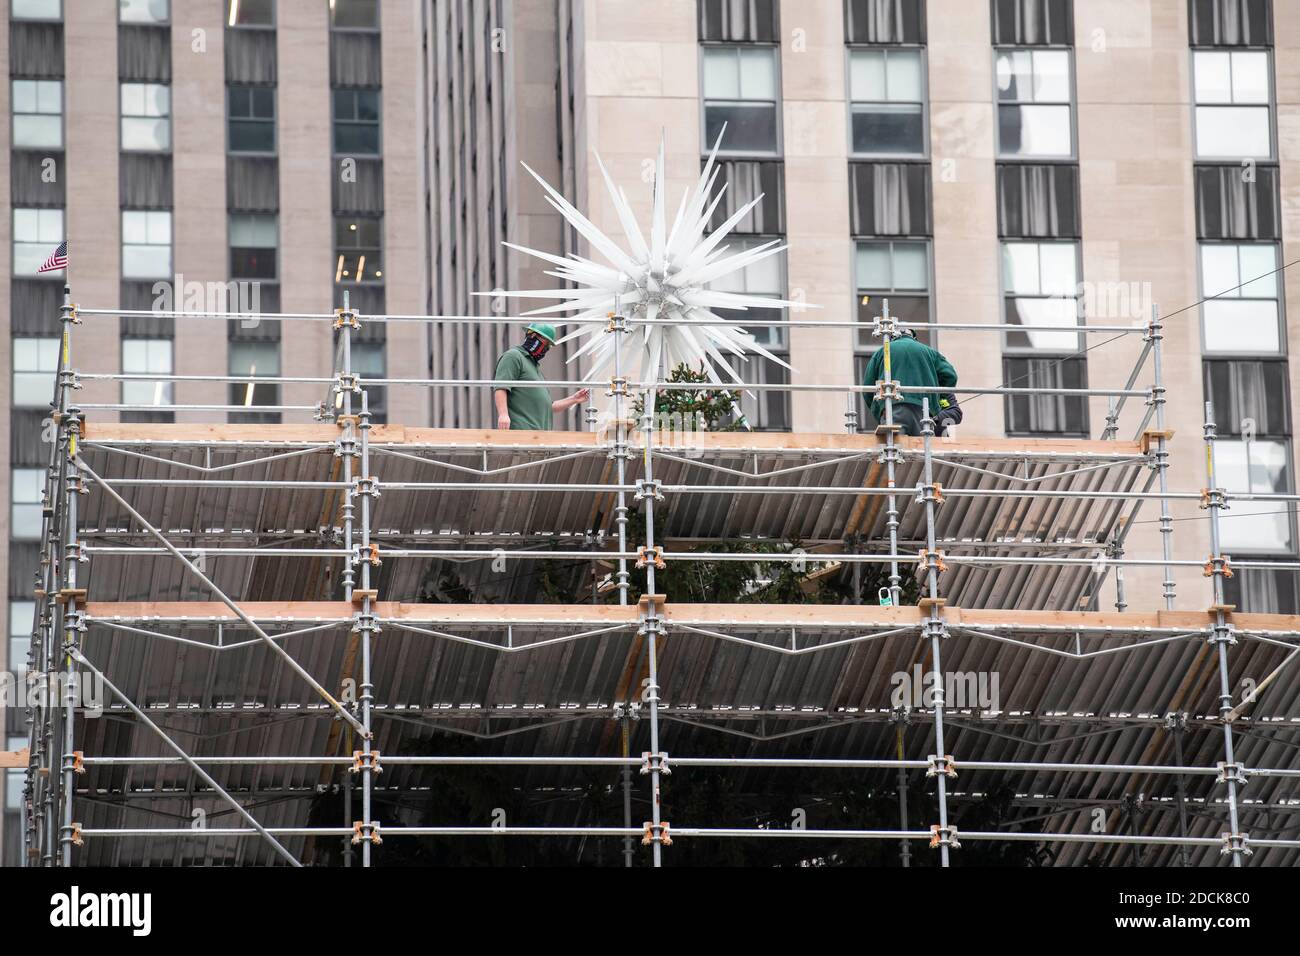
[(909, 418)]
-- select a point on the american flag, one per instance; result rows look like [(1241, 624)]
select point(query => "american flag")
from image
[(57, 260)]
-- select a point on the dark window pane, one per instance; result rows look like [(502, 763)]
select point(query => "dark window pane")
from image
[(252, 263), (746, 180), (252, 136), (750, 128), (1230, 207), (907, 309), (1230, 23), (367, 105), (238, 98), (885, 21), (888, 128), (1046, 414), (355, 14), (1263, 591), (1033, 22), (263, 102), (1249, 394), (250, 13), (1038, 201), (362, 138), (752, 20)]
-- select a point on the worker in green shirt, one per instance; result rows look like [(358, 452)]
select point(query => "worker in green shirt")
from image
[(529, 406), (916, 365)]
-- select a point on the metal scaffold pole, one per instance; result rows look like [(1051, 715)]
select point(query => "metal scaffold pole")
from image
[(651, 627), (888, 389), (941, 766), (71, 600), (1155, 335), (1231, 773)]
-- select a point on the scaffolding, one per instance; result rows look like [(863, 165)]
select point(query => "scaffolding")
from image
[(257, 618)]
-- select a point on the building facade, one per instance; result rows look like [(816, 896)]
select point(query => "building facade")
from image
[(1029, 162)]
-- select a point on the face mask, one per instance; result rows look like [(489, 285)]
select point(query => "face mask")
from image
[(536, 347)]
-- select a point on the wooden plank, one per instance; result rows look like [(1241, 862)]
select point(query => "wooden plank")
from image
[(817, 615), (163, 432), (14, 759)]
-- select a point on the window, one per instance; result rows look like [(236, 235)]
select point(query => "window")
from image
[(740, 92), (369, 361), (143, 11), (253, 243), (1262, 591), (354, 14), (250, 13), (37, 233), (1229, 207), (38, 114), (1231, 89), (146, 117), (356, 122), (255, 360), (899, 271), (36, 366), (1038, 200), (141, 357), (357, 245), (1244, 314), (884, 21), (1058, 415), (25, 492), (752, 21), (1250, 397), (146, 244), (1261, 467), (1034, 103), (1041, 284), (15, 778), (252, 119), (22, 616), (889, 199), (888, 102), (765, 277), (1230, 23), (36, 9), (1033, 22)]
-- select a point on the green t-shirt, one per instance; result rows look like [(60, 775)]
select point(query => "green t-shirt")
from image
[(529, 406)]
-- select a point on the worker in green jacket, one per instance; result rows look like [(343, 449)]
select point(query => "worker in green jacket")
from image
[(529, 406), (916, 365)]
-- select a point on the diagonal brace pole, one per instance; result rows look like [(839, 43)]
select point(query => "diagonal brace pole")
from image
[(203, 775), (239, 612)]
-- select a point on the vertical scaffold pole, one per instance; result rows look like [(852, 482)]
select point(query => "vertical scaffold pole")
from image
[(889, 332), (934, 628), (367, 623), (70, 603), (344, 447), (652, 623), (1221, 637), (621, 454), (1155, 332)]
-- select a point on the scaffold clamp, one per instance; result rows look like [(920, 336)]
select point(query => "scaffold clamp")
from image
[(346, 317), (889, 390), (1216, 564), (649, 488), (657, 833), (359, 834), (655, 763), (78, 761), (646, 555), (361, 760), (368, 486), (931, 559), (1231, 772), (927, 493), (617, 386), (946, 766), (1214, 498), (367, 554), (1236, 843), (944, 836), (77, 839)]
